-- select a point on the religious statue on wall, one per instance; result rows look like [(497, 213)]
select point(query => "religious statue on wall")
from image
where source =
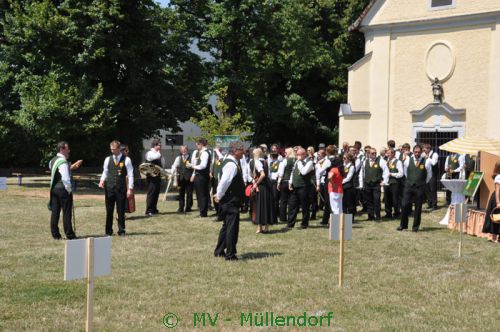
[(437, 91)]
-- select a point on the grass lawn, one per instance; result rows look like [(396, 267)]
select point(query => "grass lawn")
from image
[(393, 280)]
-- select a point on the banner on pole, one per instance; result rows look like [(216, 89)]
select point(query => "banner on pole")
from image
[(335, 227), (75, 258), (223, 141)]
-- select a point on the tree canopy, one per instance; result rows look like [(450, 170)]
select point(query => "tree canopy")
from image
[(92, 71)]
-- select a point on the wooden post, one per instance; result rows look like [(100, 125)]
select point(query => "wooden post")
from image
[(341, 255), (90, 284)]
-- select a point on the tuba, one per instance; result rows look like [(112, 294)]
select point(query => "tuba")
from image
[(148, 169)]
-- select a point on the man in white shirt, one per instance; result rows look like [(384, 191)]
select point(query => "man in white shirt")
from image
[(116, 168), (371, 180), (299, 185), (418, 173), (454, 168), (153, 183), (182, 168), (230, 193), (61, 197), (200, 162), (431, 187), (392, 177)]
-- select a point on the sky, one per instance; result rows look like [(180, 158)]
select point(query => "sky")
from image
[(163, 3)]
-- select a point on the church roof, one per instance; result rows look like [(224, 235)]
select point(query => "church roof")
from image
[(355, 26)]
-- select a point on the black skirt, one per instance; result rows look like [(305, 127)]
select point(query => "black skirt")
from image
[(489, 226), (265, 213)]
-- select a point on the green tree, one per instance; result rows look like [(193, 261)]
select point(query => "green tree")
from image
[(284, 62), (93, 71), (213, 124)]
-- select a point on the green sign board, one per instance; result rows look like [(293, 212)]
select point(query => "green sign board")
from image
[(224, 140), (473, 183)]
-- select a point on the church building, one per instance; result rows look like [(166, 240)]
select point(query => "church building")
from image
[(431, 73)]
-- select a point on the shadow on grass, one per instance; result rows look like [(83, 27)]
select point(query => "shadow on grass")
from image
[(258, 255), (115, 235), (431, 229), (276, 231)]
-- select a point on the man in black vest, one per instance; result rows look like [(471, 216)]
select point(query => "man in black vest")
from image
[(322, 167), (113, 180), (61, 197), (300, 186), (154, 157), (418, 173), (431, 187), (230, 193), (453, 166), (181, 168), (200, 162), (284, 172), (371, 180), (392, 179)]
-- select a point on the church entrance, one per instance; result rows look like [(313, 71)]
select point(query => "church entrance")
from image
[(436, 139)]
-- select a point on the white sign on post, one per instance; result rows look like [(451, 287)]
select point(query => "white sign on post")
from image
[(3, 183), (460, 213), (335, 227), (75, 258)]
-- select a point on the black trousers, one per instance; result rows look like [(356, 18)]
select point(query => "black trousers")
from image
[(349, 202), (228, 235), (391, 200), (412, 194), (116, 196), (372, 199), (185, 194), (431, 192), (276, 197), (201, 183), (284, 198), (327, 209), (313, 199), (153, 184), (299, 197), (61, 200)]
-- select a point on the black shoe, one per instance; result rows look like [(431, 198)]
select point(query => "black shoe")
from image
[(71, 237), (180, 210), (400, 229), (286, 228), (121, 234), (232, 258), (149, 214), (414, 230), (303, 227), (219, 255), (57, 237), (188, 210), (377, 219)]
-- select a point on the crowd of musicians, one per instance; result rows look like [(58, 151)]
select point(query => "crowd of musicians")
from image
[(273, 185)]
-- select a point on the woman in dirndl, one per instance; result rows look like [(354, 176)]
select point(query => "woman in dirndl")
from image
[(494, 203), (265, 214)]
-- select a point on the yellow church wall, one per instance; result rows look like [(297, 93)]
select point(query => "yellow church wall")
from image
[(358, 86), (493, 114), (393, 11), (353, 129), (468, 86)]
